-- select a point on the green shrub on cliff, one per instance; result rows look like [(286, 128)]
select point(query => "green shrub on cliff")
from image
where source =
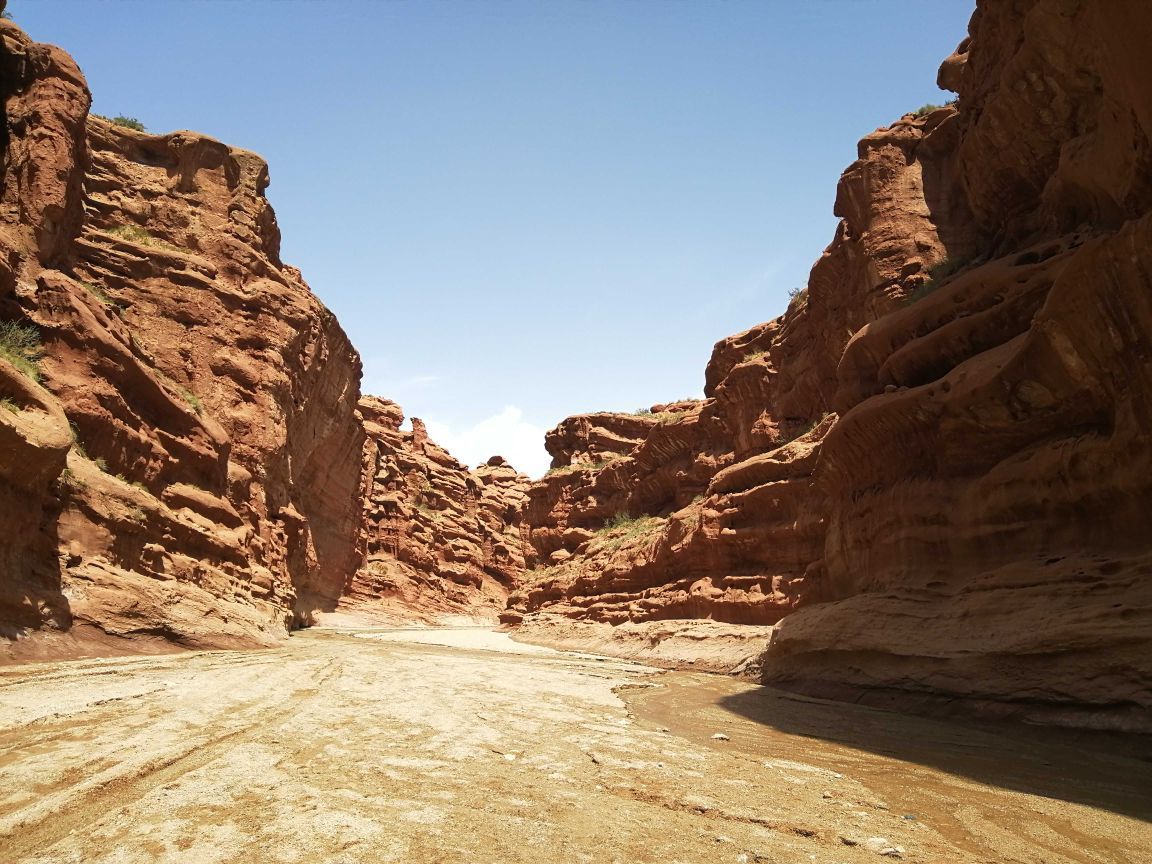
[(20, 345), (129, 123), (603, 462), (622, 528), (134, 233)]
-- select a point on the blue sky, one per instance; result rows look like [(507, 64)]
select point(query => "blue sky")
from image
[(525, 210)]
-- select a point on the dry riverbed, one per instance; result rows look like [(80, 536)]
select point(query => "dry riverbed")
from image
[(381, 747)]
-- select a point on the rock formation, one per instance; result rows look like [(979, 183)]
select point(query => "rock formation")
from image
[(181, 448), (182, 458), (931, 473), (927, 483), (440, 539)]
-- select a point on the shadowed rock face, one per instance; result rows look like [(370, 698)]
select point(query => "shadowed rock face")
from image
[(440, 539), (188, 466), (932, 471)]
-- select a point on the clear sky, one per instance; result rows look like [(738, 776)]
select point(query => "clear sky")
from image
[(525, 210)]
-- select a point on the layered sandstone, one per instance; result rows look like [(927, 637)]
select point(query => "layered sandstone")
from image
[(441, 540), (931, 472), (184, 465)]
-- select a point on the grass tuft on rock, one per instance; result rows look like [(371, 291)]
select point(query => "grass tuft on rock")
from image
[(20, 345), (622, 528)]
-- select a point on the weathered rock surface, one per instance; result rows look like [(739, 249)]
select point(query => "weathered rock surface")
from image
[(183, 459), (933, 470), (187, 467), (441, 540)]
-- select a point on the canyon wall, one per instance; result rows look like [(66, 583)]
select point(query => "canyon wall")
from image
[(181, 450), (931, 473), (184, 456), (441, 541)]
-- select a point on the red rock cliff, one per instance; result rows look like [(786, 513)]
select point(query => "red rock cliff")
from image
[(441, 540), (932, 472), (180, 448)]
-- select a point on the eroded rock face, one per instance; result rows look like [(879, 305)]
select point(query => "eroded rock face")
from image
[(989, 531), (188, 465), (932, 470), (441, 540)]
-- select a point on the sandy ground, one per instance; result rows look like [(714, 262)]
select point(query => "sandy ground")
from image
[(339, 748)]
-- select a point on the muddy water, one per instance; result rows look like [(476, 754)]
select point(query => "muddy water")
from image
[(999, 792)]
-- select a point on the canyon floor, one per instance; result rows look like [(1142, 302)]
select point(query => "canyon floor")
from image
[(378, 746)]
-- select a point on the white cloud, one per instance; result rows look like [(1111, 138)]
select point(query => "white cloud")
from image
[(505, 434)]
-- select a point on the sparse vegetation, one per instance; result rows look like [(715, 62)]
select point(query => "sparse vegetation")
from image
[(99, 293), (10, 405), (69, 480), (659, 416), (129, 123), (20, 345), (141, 236), (101, 464), (797, 296), (622, 527), (801, 431), (938, 274), (581, 466), (7, 16), (134, 233), (541, 572), (77, 444), (430, 513), (620, 520), (192, 399), (925, 110), (187, 395), (754, 355)]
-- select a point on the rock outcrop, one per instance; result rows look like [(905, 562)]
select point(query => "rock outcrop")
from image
[(181, 450), (931, 473), (441, 541), (184, 456)]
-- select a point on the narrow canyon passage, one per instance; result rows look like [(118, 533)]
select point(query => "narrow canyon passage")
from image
[(343, 749)]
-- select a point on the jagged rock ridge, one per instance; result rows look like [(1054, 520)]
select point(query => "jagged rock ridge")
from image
[(440, 540)]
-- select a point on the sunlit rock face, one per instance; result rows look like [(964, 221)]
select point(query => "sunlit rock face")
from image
[(184, 456), (932, 472), (186, 470), (441, 541)]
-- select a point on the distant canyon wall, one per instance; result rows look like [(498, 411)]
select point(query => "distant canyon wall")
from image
[(441, 541)]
